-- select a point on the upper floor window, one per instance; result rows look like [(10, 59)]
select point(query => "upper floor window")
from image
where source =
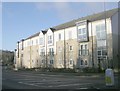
[(84, 49), (100, 32), (102, 52), (70, 34), (36, 41), (82, 34), (101, 43), (49, 39), (41, 41), (59, 36), (42, 51), (32, 42), (51, 51), (71, 48)]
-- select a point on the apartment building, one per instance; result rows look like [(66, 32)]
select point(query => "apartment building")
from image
[(90, 41)]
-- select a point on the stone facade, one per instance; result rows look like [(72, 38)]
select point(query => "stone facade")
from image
[(75, 44)]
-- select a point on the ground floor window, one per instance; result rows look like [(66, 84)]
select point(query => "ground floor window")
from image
[(71, 61), (42, 61), (82, 62), (86, 62), (51, 61)]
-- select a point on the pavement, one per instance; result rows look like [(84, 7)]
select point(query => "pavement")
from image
[(52, 80)]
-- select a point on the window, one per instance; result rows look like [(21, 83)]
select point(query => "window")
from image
[(100, 32), (51, 61), (79, 31), (70, 34), (84, 30), (71, 48), (102, 52), (36, 41), (71, 62), (81, 47), (81, 62), (82, 34), (101, 43), (32, 42), (49, 39), (59, 36), (99, 53), (86, 62), (84, 49), (41, 41), (42, 61), (42, 51), (51, 51)]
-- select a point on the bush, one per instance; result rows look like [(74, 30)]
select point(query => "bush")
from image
[(68, 70), (92, 70)]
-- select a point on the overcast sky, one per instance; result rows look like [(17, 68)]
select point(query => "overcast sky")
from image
[(20, 20)]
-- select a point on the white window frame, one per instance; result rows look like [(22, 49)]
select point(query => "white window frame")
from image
[(59, 36), (70, 48), (82, 34), (50, 41), (41, 40), (71, 62)]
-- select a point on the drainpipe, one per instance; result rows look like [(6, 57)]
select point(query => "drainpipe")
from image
[(92, 47), (18, 52), (30, 53), (64, 51), (46, 50)]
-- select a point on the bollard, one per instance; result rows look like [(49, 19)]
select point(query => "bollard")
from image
[(109, 77)]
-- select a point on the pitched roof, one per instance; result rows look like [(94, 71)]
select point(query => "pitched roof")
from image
[(93, 17), (34, 35)]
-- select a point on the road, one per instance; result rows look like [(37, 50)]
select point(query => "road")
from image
[(39, 80)]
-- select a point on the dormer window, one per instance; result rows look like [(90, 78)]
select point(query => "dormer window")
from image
[(82, 31)]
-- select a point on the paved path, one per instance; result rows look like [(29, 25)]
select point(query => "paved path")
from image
[(38, 80)]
